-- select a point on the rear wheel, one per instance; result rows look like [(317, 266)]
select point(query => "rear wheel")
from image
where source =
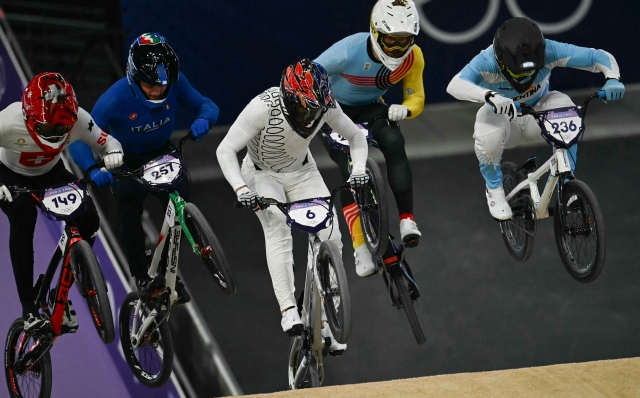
[(28, 380), (333, 280), (93, 288), (518, 232), (374, 214), (579, 231), (404, 298), (296, 354), (210, 249), (152, 361)]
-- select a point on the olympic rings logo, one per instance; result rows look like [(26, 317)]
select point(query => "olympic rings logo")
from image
[(489, 18)]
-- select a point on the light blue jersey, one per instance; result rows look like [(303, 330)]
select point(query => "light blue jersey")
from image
[(483, 73)]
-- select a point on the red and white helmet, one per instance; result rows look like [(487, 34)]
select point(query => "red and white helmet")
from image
[(50, 109)]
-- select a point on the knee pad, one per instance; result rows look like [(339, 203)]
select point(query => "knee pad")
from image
[(490, 145)]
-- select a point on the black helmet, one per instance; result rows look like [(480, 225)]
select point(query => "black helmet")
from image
[(152, 60), (519, 48), (306, 95)]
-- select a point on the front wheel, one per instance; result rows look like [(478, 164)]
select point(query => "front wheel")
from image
[(296, 354), (210, 249), (518, 232), (93, 288), (404, 298), (29, 380), (579, 231), (151, 362), (335, 292), (374, 214)]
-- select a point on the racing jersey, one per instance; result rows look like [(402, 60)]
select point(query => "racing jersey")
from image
[(273, 145), (20, 153), (482, 73), (357, 78), (141, 125)]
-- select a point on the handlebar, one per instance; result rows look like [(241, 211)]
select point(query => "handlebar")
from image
[(16, 190), (526, 109), (264, 203)]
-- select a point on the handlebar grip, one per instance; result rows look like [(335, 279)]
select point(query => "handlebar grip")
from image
[(409, 113), (602, 94), (237, 204)]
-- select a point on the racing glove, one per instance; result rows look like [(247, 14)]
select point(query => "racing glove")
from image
[(398, 112), (199, 128), (248, 198), (5, 194), (113, 160), (358, 179), (501, 105), (101, 178), (614, 89)]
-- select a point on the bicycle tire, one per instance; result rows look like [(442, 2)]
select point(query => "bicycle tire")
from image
[(407, 303), (22, 386), (151, 377), (374, 212), (215, 262), (312, 378), (514, 231), (589, 223), (333, 281), (93, 288)]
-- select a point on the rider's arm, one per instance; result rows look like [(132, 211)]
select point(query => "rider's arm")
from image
[(341, 123), (589, 59), (248, 124), (334, 58), (192, 99), (412, 85), (87, 131), (465, 85)]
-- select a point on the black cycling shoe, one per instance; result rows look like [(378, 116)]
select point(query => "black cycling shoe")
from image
[(150, 288), (183, 295), (37, 324)]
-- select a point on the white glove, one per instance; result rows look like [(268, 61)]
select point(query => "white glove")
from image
[(5, 194), (248, 198), (398, 112), (113, 160), (358, 179), (501, 105)]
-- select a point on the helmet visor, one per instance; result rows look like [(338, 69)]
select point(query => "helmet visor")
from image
[(307, 115), (52, 133), (396, 44)]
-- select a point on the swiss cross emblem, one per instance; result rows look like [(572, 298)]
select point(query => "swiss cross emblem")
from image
[(35, 159)]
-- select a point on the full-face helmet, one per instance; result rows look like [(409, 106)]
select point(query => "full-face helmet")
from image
[(394, 25)]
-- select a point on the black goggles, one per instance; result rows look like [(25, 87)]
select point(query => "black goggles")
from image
[(396, 43), (307, 114), (52, 133)]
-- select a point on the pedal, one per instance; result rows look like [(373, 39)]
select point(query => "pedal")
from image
[(412, 242), (295, 330)]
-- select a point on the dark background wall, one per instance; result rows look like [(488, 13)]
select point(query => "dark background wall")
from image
[(231, 50)]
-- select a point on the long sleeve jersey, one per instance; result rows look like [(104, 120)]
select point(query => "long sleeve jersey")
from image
[(273, 145), (482, 73), (357, 78), (20, 153), (141, 125)]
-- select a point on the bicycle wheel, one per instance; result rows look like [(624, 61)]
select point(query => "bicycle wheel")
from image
[(37, 380), (580, 233), (374, 214), (93, 288), (151, 362), (333, 280), (518, 232), (407, 303), (312, 378), (210, 248)]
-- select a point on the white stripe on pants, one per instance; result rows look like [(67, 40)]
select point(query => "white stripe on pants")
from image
[(286, 187)]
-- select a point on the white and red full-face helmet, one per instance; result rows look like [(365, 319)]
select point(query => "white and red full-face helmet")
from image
[(50, 109), (393, 27)]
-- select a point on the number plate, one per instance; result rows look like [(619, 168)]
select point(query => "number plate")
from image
[(309, 216), (563, 125), (63, 200), (162, 171), (342, 142)]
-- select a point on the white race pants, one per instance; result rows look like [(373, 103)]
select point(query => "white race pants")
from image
[(286, 187)]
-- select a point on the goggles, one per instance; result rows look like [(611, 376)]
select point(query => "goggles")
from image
[(396, 43), (521, 75), (53, 133), (307, 114)]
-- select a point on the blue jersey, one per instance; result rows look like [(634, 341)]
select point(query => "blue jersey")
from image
[(141, 125), (482, 73)]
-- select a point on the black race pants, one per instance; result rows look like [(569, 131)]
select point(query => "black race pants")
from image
[(22, 214)]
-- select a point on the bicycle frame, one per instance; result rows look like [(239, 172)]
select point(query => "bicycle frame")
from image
[(397, 263)]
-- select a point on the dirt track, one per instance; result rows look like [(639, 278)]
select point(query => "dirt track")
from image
[(614, 378)]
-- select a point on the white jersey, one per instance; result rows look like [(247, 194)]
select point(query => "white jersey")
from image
[(20, 153), (273, 145)]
